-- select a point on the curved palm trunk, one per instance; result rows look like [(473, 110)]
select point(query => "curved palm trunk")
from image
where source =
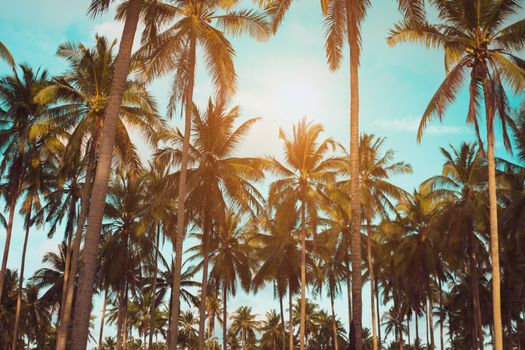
[(153, 293), (334, 324), (204, 291), (493, 207), (353, 43), (303, 279), (372, 288), (283, 330), (102, 318), (100, 185), (68, 288), (225, 317), (7, 245), (290, 316), (175, 311), (21, 279)]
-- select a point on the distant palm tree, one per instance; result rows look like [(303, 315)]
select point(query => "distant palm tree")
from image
[(6, 55), (301, 179), (245, 325), (215, 177), (476, 39), (271, 334), (190, 24)]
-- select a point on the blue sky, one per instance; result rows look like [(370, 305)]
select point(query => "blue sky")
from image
[(280, 80)]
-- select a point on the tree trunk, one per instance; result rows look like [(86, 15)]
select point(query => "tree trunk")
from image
[(348, 291), (120, 320), (426, 323), (9, 231), (67, 265), (224, 317), (334, 323), (408, 329), (378, 314), (102, 317), (477, 330), (303, 278), (125, 325), (283, 330), (290, 316), (353, 43), (98, 198), (493, 206), (69, 282), (21, 279), (441, 335), (154, 293), (204, 290), (431, 321), (174, 332), (372, 287)]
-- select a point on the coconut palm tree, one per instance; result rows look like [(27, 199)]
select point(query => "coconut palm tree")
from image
[(191, 24), (271, 335), (215, 176), (6, 55), (244, 324), (302, 177), (82, 94), (100, 183), (476, 38), (19, 112)]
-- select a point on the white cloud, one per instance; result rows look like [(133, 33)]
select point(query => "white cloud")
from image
[(113, 31), (411, 124)]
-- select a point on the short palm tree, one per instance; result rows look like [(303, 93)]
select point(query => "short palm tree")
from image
[(477, 39), (190, 24), (271, 334), (302, 178), (244, 324)]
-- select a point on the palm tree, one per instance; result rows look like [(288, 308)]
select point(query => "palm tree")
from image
[(475, 38), (19, 112), (302, 179), (6, 55), (271, 334), (83, 94), (190, 24), (215, 176), (100, 184), (245, 324)]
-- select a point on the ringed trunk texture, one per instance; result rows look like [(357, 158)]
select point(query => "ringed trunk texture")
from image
[(175, 309), (303, 280), (21, 280), (9, 231), (100, 185), (102, 318), (353, 43)]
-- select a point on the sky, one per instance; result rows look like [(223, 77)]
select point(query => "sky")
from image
[(281, 80)]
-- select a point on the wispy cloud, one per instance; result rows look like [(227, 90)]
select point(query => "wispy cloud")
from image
[(411, 124)]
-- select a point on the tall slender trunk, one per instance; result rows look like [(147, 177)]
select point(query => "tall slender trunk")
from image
[(174, 331), (493, 208), (417, 328), (67, 265), (426, 323), (372, 287), (348, 291), (477, 330), (408, 329), (100, 185), (431, 321), (303, 278), (400, 326), (204, 290), (353, 33), (441, 335), (102, 318), (283, 330), (154, 292), (121, 313), (7, 244), (290, 316), (334, 323), (21, 278), (378, 313), (70, 277), (125, 325), (225, 317)]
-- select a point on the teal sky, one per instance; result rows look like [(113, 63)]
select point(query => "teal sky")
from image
[(280, 80)]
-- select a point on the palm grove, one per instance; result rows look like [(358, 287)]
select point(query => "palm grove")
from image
[(448, 254)]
